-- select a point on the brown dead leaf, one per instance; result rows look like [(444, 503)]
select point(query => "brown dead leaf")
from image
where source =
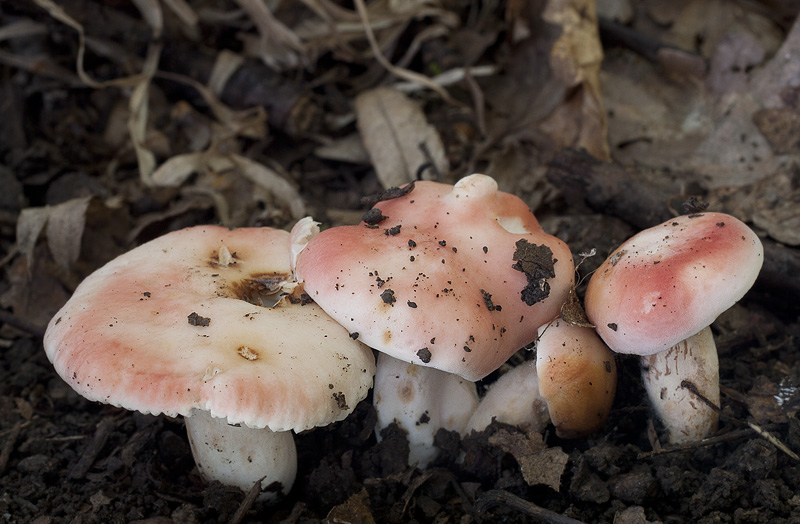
[(765, 401), (35, 293), (575, 60), (355, 510), (397, 136), (539, 464)]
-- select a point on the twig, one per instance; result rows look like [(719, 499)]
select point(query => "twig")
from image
[(23, 325), (499, 497), (405, 74), (247, 503), (93, 450), (755, 427), (774, 440), (733, 435)]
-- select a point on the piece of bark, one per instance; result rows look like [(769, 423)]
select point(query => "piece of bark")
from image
[(81, 468)]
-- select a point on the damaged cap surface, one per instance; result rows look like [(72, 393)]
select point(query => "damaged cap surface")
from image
[(187, 322), (455, 277)]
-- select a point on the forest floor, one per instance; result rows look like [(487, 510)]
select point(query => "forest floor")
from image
[(122, 122)]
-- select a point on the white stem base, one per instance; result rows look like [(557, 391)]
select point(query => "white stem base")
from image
[(240, 456), (686, 417), (421, 400)]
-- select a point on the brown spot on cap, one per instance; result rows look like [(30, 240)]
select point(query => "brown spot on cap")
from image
[(538, 265), (247, 353), (395, 230), (373, 216), (388, 297), (424, 355), (612, 326), (197, 320), (341, 402)]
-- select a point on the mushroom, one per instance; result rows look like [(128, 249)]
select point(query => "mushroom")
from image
[(451, 278), (577, 377), (572, 383), (658, 291), (198, 323), (513, 399)]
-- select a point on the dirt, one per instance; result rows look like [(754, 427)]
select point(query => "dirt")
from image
[(73, 197)]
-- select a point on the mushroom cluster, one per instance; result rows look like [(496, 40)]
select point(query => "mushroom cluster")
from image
[(253, 333), (447, 282)]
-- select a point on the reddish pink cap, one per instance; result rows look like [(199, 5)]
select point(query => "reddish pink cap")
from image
[(670, 281), (434, 282), (173, 326)]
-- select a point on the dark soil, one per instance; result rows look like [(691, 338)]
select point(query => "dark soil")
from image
[(64, 459)]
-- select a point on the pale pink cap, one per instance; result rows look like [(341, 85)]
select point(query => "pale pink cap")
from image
[(670, 281), (433, 284), (167, 328)]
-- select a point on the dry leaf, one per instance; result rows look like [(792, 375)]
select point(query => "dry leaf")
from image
[(397, 136), (539, 464), (65, 227), (348, 149), (276, 45), (65, 224), (355, 510), (575, 59), (176, 170)]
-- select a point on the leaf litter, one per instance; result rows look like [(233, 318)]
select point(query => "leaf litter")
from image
[(125, 123)]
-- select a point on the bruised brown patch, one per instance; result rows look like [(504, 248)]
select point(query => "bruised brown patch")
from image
[(247, 353), (259, 289)]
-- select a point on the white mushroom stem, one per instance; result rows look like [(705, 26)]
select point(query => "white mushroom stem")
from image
[(421, 400), (686, 417), (239, 456), (513, 399)]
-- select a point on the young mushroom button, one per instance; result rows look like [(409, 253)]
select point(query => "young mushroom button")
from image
[(663, 287), (199, 323), (455, 278)]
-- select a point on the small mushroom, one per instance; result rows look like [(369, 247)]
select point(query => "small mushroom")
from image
[(665, 285), (577, 377), (198, 323), (455, 278), (572, 383), (513, 399)]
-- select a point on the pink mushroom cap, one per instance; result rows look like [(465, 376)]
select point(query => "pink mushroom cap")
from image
[(434, 284), (175, 325), (668, 282)]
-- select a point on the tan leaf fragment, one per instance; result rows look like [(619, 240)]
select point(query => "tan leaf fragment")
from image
[(397, 136), (64, 224), (177, 169), (65, 228), (575, 59), (539, 464)]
